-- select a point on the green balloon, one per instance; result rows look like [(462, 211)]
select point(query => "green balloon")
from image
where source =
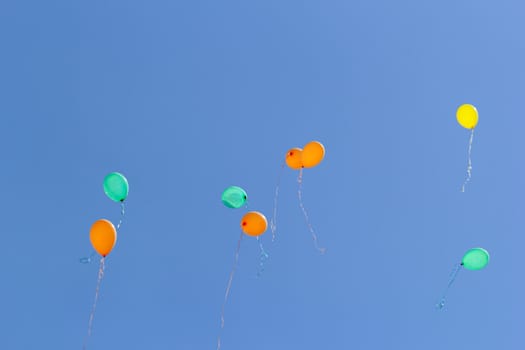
[(475, 259), (234, 197), (116, 187)]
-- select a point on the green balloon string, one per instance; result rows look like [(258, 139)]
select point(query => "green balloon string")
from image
[(122, 213), (441, 304)]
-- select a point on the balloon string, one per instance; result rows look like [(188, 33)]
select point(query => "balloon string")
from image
[(469, 164), (87, 259), (306, 217), (122, 212), (452, 278), (263, 257), (273, 221), (228, 287), (93, 308)]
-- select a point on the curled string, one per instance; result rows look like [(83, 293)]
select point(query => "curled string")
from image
[(87, 259), (93, 308), (263, 257), (452, 278), (273, 221), (228, 287), (122, 212), (469, 164), (307, 219)]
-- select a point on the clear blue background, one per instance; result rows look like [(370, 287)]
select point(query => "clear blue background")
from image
[(188, 97)]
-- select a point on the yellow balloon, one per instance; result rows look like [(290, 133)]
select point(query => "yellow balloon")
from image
[(313, 154), (103, 236), (254, 223), (467, 116), (293, 158)]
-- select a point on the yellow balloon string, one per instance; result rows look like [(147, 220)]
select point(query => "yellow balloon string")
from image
[(273, 221), (93, 308), (469, 164), (228, 287), (306, 217)]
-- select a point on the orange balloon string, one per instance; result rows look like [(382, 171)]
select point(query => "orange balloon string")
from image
[(93, 308), (306, 217), (263, 257), (273, 221), (228, 288)]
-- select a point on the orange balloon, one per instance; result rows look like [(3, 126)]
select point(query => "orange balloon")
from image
[(294, 158), (254, 223), (313, 154), (103, 236)]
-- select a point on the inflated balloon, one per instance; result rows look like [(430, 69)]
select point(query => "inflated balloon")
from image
[(475, 259), (254, 224), (467, 116), (116, 187), (313, 154), (294, 158), (234, 197), (103, 236), (298, 158)]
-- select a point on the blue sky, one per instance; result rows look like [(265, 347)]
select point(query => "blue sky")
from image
[(187, 98)]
